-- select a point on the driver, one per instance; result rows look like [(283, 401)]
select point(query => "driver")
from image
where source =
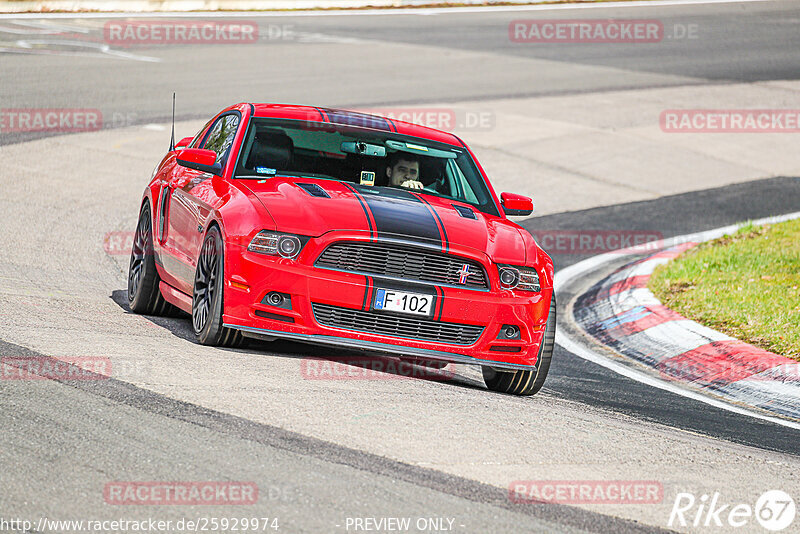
[(403, 170)]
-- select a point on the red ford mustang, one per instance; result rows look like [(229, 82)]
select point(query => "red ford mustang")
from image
[(334, 227)]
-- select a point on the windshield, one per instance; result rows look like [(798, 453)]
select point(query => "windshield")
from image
[(361, 156)]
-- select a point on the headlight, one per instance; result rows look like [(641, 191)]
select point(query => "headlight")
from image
[(509, 277), (264, 243), (289, 246), (519, 278), (285, 245)]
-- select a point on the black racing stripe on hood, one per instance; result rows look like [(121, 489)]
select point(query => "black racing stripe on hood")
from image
[(399, 213), (445, 241), (364, 207)]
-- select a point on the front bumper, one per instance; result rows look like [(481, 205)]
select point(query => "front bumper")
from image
[(250, 276)]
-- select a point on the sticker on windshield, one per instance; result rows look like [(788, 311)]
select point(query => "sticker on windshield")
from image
[(417, 147), (266, 170), (367, 178)]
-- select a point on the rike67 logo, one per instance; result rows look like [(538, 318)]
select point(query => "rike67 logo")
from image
[(774, 510)]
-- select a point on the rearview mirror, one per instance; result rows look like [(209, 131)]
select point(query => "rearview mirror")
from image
[(184, 142), (363, 149), (200, 160), (516, 205)]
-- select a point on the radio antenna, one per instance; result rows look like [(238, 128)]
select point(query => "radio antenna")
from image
[(172, 138)]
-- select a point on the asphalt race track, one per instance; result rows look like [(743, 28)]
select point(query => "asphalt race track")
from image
[(566, 125)]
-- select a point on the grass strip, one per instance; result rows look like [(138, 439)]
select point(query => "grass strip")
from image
[(746, 285)]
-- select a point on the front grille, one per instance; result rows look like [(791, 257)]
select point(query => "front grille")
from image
[(392, 325), (405, 263)]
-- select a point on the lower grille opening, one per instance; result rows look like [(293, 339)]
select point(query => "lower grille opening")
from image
[(274, 316), (391, 325), (503, 348)]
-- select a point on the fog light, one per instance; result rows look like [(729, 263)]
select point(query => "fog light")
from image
[(278, 300), (509, 331)]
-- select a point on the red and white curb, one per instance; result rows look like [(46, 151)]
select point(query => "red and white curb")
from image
[(682, 356), (623, 314)]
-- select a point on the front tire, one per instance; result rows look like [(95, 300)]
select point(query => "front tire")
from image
[(527, 382), (208, 295), (144, 296)]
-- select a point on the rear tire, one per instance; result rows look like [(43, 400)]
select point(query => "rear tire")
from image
[(208, 295), (144, 296), (527, 382)]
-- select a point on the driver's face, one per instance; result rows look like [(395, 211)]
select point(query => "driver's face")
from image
[(402, 172)]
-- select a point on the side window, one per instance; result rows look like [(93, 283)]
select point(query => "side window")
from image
[(221, 136), (459, 184)]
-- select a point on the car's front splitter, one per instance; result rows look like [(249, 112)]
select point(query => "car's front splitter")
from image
[(361, 344)]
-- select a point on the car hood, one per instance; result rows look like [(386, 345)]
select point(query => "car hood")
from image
[(313, 207)]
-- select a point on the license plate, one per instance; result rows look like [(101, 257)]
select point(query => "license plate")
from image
[(403, 302)]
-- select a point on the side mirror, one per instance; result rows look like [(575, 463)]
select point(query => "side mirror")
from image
[(517, 205), (183, 143), (200, 160)]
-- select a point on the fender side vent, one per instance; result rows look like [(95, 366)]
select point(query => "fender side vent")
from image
[(464, 211), (314, 190)]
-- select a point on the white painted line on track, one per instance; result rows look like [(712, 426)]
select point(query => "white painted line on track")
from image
[(28, 30), (49, 26), (568, 274), (98, 50), (373, 12), (621, 369)]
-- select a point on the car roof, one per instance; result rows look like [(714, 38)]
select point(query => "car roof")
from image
[(350, 118)]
